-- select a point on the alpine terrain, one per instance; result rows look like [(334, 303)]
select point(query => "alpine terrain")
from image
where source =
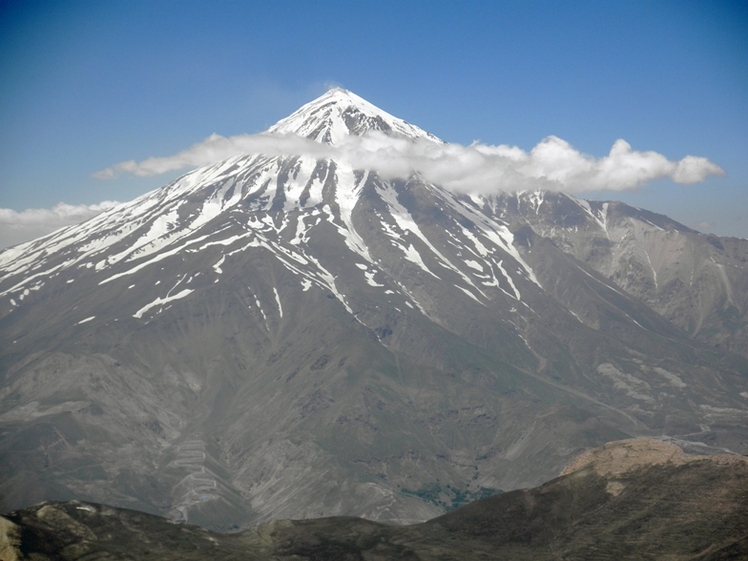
[(633, 499), (295, 336)]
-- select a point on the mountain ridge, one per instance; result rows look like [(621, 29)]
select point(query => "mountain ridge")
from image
[(696, 281)]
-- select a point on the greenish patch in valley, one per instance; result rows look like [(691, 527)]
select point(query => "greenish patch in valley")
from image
[(449, 497)]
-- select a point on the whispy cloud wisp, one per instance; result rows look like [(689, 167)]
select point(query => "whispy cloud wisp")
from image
[(553, 164), (214, 149), (17, 227)]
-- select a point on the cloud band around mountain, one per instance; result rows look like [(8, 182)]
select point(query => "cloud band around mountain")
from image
[(553, 164), (17, 227)]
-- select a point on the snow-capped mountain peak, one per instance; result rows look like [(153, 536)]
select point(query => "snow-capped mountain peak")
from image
[(266, 336), (339, 113), (291, 206)]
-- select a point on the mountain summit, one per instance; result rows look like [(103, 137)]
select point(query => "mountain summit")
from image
[(290, 336), (339, 113)]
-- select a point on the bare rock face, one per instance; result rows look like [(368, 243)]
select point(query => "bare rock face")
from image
[(699, 282), (620, 457), (10, 540), (616, 458)]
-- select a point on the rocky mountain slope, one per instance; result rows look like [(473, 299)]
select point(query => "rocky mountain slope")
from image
[(699, 282), (635, 499), (288, 336)]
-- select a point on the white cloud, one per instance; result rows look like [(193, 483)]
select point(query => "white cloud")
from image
[(17, 227), (553, 164), (214, 149), (703, 226), (478, 168)]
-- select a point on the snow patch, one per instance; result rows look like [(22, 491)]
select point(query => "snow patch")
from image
[(217, 266), (278, 301), (370, 279), (466, 291), (474, 265), (161, 302)]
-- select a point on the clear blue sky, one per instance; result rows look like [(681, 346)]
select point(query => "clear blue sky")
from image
[(84, 85)]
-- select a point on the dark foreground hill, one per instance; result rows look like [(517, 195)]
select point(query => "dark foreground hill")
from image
[(634, 499)]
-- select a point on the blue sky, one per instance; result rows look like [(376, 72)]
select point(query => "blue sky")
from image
[(85, 85)]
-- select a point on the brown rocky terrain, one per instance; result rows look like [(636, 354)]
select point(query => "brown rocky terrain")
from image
[(630, 500)]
